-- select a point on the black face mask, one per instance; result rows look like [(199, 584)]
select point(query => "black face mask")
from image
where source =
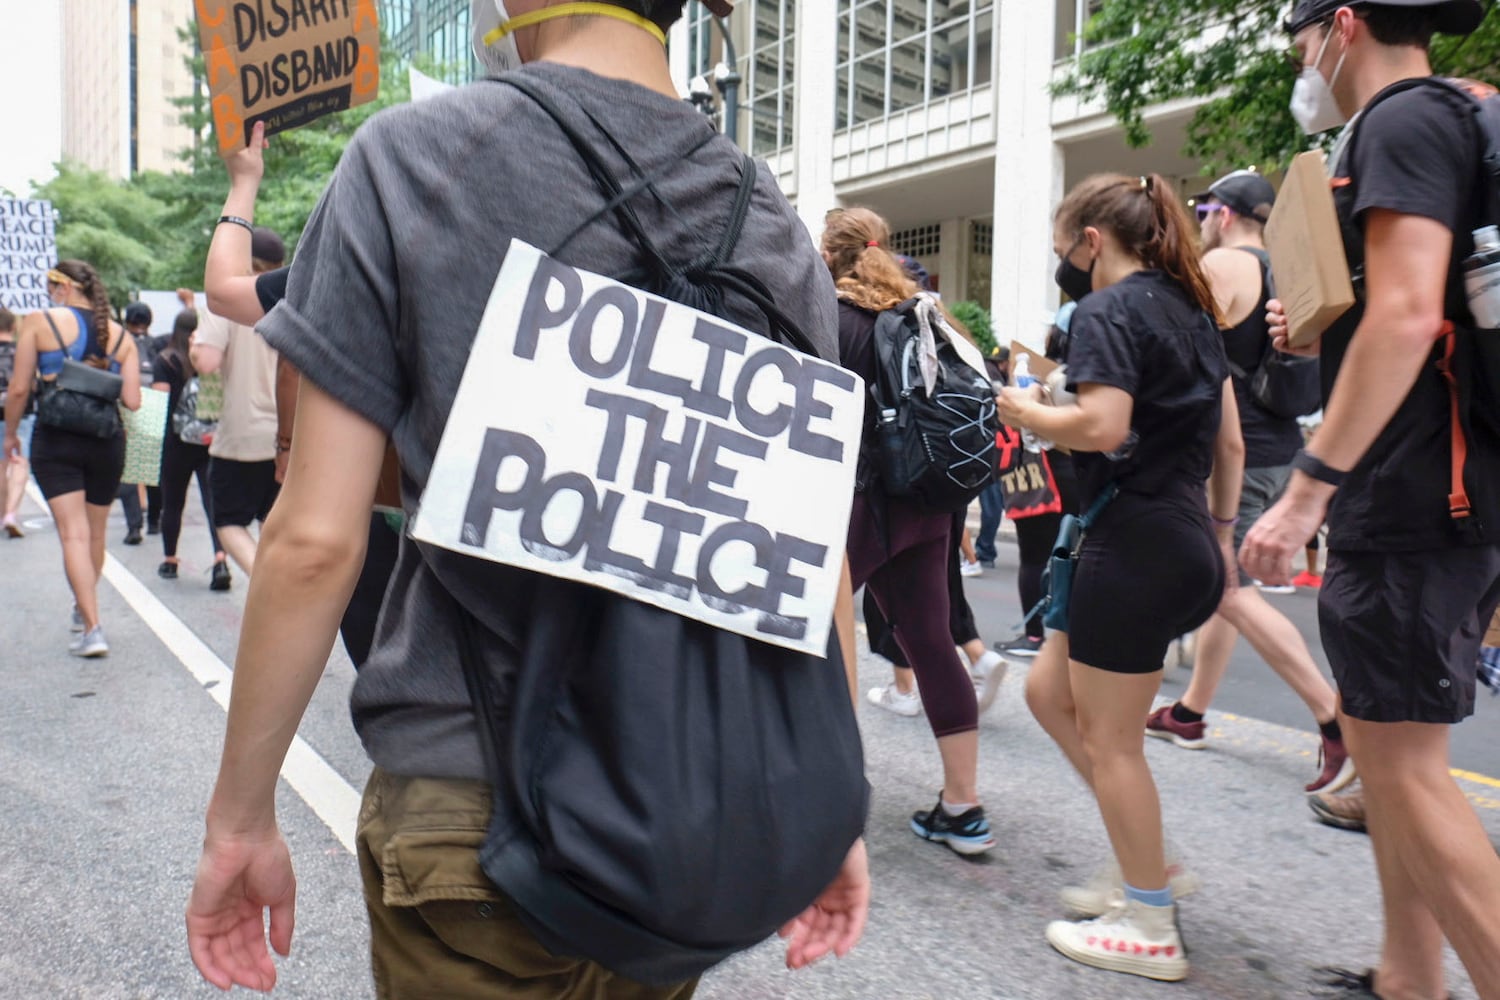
[(1075, 282)]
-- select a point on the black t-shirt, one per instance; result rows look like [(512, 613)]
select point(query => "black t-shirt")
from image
[(270, 287), (169, 369), (1269, 440), (1145, 335), (1415, 155)]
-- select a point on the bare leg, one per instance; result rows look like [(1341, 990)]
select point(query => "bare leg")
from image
[(966, 546), (1216, 641), (973, 650), (960, 753), (1111, 711), (906, 679), (1049, 695), (238, 542), (71, 515), (1436, 850), (98, 518), (16, 471)]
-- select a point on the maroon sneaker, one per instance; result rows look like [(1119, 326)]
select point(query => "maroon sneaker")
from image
[(1338, 768), (1188, 735)]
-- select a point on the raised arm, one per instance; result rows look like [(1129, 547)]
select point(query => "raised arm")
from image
[(228, 281)]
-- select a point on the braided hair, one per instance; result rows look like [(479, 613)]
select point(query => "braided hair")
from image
[(88, 280)]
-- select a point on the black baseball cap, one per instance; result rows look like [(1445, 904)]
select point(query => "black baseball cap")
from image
[(137, 313), (265, 245), (1244, 191), (1451, 17)]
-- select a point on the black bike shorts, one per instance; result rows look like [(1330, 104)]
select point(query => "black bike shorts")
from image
[(64, 462)]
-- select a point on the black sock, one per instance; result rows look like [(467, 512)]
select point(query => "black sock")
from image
[(1331, 730), (1182, 713)]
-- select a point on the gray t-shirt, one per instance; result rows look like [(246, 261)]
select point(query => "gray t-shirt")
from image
[(392, 276)]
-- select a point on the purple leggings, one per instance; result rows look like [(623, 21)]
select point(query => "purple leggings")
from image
[(901, 555)]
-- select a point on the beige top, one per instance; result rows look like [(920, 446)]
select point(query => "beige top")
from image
[(247, 427)]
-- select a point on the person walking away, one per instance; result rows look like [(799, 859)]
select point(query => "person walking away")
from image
[(381, 336), (243, 472), (1154, 420), (17, 467), (181, 462), (138, 319), (1406, 467), (901, 551), (1232, 217), (78, 474)]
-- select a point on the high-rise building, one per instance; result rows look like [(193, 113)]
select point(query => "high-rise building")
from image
[(123, 63), (437, 31)]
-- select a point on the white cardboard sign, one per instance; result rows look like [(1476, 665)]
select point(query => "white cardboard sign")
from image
[(609, 436), (28, 248)]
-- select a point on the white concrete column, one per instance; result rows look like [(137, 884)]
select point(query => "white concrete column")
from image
[(817, 51), (953, 257), (1028, 172)]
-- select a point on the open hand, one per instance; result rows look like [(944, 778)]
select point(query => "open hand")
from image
[(238, 880), (1283, 531), (836, 919)]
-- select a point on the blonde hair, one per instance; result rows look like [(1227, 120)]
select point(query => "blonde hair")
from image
[(864, 271)]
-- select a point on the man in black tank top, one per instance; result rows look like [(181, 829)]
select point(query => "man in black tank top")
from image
[(1233, 213)]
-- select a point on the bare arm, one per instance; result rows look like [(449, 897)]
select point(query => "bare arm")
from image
[(228, 281), (130, 373), (206, 358), (1229, 462), (1099, 421), (843, 622), (288, 379), (21, 378)]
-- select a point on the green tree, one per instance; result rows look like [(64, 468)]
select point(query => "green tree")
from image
[(976, 319), (1231, 53)]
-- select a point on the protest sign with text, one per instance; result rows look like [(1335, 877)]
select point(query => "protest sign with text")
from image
[(609, 436), (28, 248), (286, 62)]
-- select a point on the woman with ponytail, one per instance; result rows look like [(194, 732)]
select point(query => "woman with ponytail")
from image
[(79, 475), (1156, 443), (900, 552)]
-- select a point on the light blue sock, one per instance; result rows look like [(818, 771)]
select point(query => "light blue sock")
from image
[(1150, 897)]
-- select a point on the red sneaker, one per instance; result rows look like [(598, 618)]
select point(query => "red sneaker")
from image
[(1338, 767), (1188, 735), (1305, 579)]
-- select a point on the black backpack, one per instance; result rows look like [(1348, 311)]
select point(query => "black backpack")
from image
[(1284, 385), (936, 449), (665, 793)]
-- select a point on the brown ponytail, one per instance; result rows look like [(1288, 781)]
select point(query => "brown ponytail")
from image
[(1150, 223), (88, 281), (864, 271)]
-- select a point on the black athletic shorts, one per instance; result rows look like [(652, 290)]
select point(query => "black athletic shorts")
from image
[(1402, 630), (242, 491), (1149, 571), (64, 462)]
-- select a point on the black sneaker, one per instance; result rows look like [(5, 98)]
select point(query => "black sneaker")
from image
[(167, 571), (220, 579), (966, 833), (153, 527), (1021, 645), (133, 537)]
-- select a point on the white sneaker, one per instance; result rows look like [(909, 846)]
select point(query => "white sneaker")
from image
[(90, 644), (966, 568), (988, 673), (1132, 937), (892, 700), (1275, 588), (1106, 889)]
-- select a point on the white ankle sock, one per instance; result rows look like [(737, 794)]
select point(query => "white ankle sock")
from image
[(959, 809)]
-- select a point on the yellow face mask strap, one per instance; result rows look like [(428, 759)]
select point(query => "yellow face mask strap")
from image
[(586, 8)]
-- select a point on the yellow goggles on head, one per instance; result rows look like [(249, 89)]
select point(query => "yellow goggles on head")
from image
[(586, 8)]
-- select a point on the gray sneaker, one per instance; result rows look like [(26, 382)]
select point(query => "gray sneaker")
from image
[(78, 624), (90, 644)]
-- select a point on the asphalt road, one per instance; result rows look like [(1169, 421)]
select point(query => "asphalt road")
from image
[(105, 767)]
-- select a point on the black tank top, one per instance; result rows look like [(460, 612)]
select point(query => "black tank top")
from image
[(1269, 440)]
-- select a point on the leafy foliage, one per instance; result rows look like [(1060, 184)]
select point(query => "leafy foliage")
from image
[(976, 319), (1229, 54)]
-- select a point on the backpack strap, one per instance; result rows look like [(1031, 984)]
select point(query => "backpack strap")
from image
[(56, 333)]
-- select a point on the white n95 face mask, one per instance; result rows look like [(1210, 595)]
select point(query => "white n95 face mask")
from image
[(502, 55), (1313, 103)]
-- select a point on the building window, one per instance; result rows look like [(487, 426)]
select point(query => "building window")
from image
[(919, 241), (984, 238), (765, 33), (900, 54), (437, 30), (1072, 17)]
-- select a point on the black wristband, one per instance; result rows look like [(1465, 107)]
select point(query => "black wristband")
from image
[(1311, 465), (235, 220)]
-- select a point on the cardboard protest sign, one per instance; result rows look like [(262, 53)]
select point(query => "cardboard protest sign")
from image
[(608, 436), (28, 248), (286, 62), (1307, 252)]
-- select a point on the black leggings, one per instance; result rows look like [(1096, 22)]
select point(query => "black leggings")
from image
[(179, 463), (961, 625)]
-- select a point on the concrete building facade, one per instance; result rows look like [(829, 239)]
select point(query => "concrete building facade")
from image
[(123, 64)]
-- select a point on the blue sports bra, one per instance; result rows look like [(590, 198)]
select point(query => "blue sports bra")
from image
[(49, 363)]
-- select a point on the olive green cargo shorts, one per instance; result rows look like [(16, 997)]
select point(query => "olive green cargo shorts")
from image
[(439, 929)]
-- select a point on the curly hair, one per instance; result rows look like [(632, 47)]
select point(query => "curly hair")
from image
[(88, 280), (864, 271)]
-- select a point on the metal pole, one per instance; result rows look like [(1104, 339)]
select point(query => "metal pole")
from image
[(729, 86)]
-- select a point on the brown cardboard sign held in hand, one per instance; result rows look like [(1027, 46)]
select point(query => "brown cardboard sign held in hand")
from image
[(286, 62), (1307, 252)]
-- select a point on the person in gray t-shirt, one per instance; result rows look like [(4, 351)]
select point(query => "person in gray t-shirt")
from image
[(392, 276)]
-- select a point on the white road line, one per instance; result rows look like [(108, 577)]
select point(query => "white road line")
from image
[(333, 799)]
